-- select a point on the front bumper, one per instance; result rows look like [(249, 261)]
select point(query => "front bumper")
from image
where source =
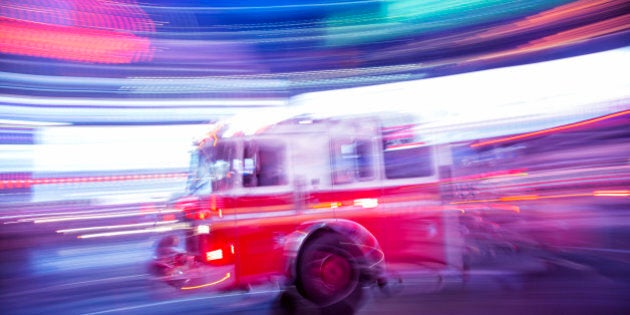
[(185, 272)]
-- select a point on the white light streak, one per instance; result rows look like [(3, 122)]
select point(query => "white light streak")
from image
[(149, 103), (366, 202), (572, 89), (92, 217), (111, 227), (119, 233)]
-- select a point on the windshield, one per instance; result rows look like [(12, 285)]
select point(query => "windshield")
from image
[(211, 168)]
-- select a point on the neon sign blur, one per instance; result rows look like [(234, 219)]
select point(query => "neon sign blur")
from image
[(76, 30)]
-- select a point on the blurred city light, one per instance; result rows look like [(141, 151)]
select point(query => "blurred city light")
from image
[(333, 157)]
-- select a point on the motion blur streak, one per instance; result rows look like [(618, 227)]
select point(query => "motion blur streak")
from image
[(119, 233), (577, 35), (550, 130), (118, 214), (556, 16), (107, 227), (227, 276), (8, 184), (620, 193), (62, 42), (155, 155), (612, 193), (77, 30)]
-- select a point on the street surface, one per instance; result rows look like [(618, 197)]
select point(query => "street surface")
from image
[(65, 275)]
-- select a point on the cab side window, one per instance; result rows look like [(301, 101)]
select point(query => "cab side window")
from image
[(405, 155), (264, 163)]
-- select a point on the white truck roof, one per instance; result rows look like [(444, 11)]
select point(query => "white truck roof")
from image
[(475, 105)]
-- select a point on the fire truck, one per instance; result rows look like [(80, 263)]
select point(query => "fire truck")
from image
[(329, 204)]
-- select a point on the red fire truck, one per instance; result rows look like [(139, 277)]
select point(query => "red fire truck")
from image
[(328, 204), (331, 204)]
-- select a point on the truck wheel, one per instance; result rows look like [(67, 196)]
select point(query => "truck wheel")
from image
[(328, 273)]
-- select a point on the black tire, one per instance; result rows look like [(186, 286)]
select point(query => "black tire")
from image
[(328, 272)]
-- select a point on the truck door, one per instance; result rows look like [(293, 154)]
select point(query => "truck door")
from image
[(265, 198), (411, 200), (355, 177)]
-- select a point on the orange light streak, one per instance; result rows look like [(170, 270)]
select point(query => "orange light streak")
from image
[(621, 193), (567, 11), (516, 198), (610, 26), (227, 276), (550, 18), (549, 130)]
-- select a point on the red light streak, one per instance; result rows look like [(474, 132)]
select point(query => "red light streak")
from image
[(550, 130), (77, 30), (72, 43), (25, 183)]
